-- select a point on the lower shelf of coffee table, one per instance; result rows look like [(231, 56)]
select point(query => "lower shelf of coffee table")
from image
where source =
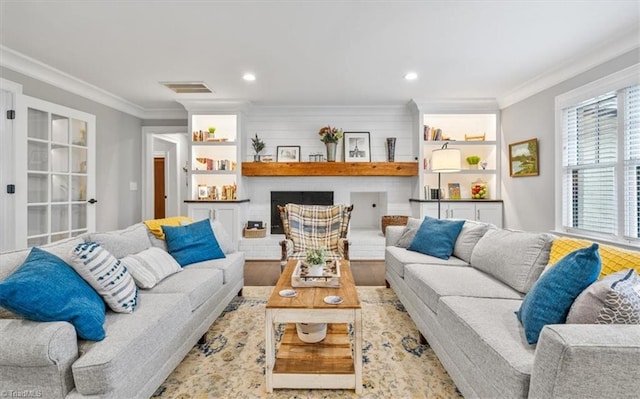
[(332, 355)]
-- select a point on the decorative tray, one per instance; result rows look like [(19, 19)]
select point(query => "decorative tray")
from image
[(330, 277)]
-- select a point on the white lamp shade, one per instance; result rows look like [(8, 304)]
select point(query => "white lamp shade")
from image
[(445, 160)]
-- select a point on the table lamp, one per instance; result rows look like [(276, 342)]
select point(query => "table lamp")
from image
[(444, 160)]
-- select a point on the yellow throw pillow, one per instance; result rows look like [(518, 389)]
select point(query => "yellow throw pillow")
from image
[(155, 225), (613, 259)]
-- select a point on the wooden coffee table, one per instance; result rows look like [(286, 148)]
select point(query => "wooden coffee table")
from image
[(328, 364)]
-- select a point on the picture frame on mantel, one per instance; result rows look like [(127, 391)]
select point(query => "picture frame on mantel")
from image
[(523, 158), (357, 147), (288, 153)]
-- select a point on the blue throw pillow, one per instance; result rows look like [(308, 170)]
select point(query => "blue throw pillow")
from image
[(45, 288), (192, 243), (549, 300), (436, 237)]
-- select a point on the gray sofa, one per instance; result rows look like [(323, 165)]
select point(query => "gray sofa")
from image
[(140, 349), (464, 307)]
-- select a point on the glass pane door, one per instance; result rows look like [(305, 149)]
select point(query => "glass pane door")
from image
[(59, 173)]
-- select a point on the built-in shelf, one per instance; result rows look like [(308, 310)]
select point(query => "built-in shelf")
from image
[(329, 168)]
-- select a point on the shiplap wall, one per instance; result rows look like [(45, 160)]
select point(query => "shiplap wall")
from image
[(282, 126)]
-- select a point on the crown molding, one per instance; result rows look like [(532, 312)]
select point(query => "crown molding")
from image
[(468, 105), (28, 66), (628, 41)]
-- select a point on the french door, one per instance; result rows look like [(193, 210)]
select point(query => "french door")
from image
[(57, 166)]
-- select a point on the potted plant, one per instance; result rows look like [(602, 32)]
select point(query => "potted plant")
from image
[(316, 260), (473, 161), (212, 132), (258, 145)]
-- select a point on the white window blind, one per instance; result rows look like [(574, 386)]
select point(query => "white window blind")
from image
[(631, 167), (600, 152)]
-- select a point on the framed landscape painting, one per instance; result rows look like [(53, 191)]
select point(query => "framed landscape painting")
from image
[(523, 158), (289, 153), (357, 147)]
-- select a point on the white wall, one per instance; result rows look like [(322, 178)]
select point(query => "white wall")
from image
[(118, 151), (529, 201), (299, 126)]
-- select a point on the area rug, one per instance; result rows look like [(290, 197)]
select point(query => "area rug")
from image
[(230, 364)]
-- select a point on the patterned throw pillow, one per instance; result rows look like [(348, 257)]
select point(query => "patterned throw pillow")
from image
[(45, 288), (150, 266), (551, 297), (613, 300), (107, 275)]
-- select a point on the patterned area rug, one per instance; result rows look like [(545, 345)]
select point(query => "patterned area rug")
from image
[(231, 363)]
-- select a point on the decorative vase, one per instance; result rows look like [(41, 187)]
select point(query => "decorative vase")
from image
[(256, 158), (474, 166), (331, 151), (391, 149), (316, 270)]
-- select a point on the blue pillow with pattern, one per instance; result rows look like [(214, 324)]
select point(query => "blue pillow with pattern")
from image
[(45, 288), (551, 297), (436, 237), (192, 243)]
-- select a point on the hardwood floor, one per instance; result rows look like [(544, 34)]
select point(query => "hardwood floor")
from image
[(267, 272)]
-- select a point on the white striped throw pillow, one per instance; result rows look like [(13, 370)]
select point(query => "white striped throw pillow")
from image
[(107, 275), (150, 266)]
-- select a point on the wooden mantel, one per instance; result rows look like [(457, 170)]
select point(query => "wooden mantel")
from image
[(329, 168)]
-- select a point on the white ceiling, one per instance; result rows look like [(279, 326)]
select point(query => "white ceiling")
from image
[(318, 52)]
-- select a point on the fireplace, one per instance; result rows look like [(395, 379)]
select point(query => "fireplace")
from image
[(295, 197)]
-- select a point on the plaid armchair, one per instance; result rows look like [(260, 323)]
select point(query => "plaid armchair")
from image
[(314, 226)]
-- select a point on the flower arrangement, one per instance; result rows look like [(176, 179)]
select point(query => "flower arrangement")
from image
[(330, 134), (316, 256)]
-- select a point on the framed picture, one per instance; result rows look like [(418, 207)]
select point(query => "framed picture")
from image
[(454, 190), (357, 147), (288, 153), (523, 158), (203, 191)]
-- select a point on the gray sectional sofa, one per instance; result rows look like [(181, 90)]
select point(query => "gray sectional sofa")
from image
[(140, 349), (465, 308)]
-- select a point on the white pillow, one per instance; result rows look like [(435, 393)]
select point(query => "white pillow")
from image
[(151, 266), (107, 275)]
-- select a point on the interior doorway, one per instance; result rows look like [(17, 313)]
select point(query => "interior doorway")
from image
[(171, 144), (159, 193)]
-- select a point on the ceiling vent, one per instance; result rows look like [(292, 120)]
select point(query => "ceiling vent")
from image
[(187, 87)]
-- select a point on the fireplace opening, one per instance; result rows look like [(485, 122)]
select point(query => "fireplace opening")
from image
[(295, 197)]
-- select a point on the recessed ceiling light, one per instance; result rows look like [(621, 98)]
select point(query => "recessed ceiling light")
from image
[(249, 77), (411, 76)]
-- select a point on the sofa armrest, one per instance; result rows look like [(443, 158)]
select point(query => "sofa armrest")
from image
[(343, 248), (37, 356), (393, 234), (587, 361)]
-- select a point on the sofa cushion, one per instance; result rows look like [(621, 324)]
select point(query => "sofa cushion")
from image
[(613, 259), (150, 266), (198, 284), (486, 330), (409, 232), (123, 242), (45, 288), (155, 326), (397, 258), (192, 243), (613, 300), (436, 237), (513, 257), (107, 275), (232, 266), (155, 225), (431, 282), (551, 297), (469, 236)]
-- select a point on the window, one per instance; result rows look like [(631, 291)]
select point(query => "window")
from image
[(600, 158)]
